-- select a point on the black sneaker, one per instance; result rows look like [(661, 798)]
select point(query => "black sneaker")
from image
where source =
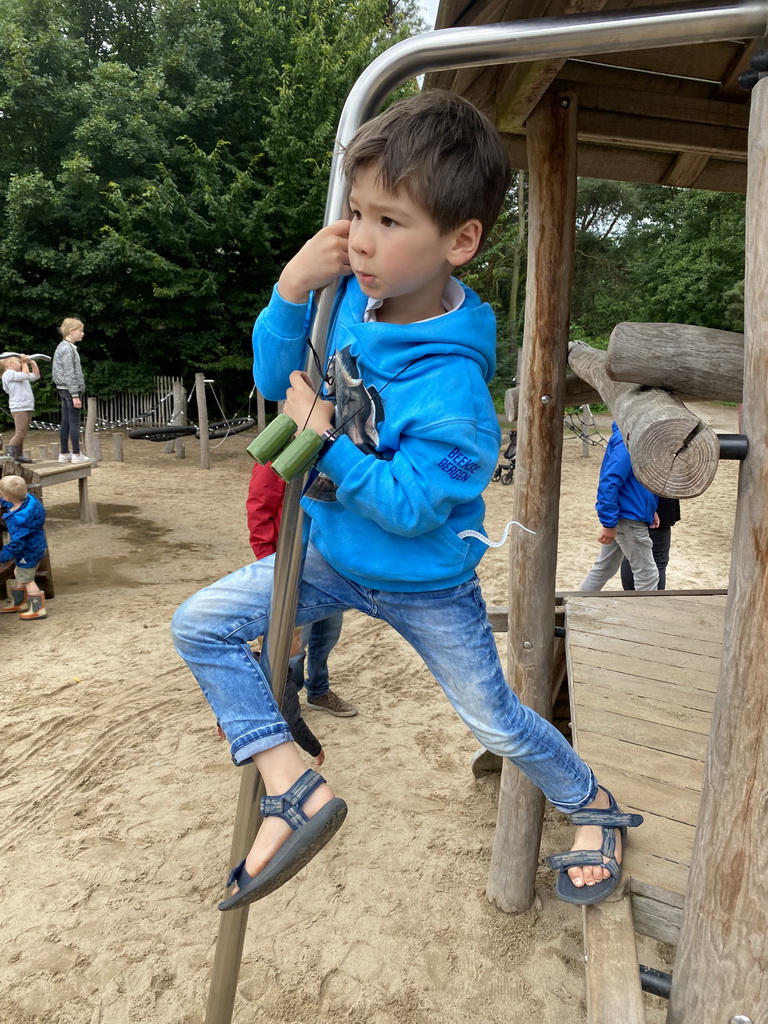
[(333, 704)]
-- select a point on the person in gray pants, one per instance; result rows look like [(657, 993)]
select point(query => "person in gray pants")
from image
[(626, 510)]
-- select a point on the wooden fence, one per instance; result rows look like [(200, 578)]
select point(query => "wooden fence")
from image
[(153, 409)]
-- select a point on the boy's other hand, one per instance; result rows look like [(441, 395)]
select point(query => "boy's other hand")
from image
[(607, 535), (319, 261), (299, 402)]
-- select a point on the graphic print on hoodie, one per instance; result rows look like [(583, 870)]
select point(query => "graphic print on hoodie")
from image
[(358, 411)]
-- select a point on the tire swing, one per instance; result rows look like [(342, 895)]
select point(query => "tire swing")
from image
[(167, 432), (223, 428)]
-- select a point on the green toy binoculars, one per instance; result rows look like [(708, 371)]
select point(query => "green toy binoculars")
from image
[(290, 457)]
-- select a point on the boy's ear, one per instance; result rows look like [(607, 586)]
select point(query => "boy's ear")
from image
[(466, 242)]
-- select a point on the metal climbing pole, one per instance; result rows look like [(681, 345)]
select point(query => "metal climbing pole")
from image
[(447, 49)]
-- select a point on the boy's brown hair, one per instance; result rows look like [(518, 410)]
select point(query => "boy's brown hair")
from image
[(13, 489), (445, 154)]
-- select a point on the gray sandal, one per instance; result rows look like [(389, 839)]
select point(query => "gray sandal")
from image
[(609, 819), (309, 836)]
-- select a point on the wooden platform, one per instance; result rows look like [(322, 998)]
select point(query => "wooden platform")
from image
[(643, 673), (45, 474)]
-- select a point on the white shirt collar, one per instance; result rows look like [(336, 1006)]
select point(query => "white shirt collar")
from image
[(451, 300)]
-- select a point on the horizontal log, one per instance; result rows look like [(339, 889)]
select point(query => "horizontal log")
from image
[(696, 361), (673, 452), (577, 392)]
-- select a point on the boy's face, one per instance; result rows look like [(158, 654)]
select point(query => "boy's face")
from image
[(397, 252)]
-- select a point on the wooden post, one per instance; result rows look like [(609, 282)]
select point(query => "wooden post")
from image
[(179, 442), (261, 413), (178, 417), (587, 420), (90, 429), (720, 968), (117, 441), (202, 421), (533, 559), (673, 452)]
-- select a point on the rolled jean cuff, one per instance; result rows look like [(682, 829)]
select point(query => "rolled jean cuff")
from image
[(581, 804), (244, 747)]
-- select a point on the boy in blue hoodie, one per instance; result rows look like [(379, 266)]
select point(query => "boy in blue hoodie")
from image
[(411, 442), (626, 510), (24, 517)]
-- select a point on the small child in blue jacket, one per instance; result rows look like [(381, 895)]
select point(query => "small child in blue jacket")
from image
[(626, 510), (411, 441), (24, 517)]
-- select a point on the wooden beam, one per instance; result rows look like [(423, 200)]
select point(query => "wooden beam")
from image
[(679, 108), (691, 360), (618, 163), (613, 977), (519, 89), (673, 452), (577, 392), (729, 88), (533, 558), (585, 69), (665, 134), (686, 169), (720, 967)]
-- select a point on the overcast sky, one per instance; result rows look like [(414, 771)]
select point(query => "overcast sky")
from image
[(430, 11)]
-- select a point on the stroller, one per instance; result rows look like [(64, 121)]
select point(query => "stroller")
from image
[(505, 471)]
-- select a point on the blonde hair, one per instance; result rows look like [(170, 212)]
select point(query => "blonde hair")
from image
[(13, 488), (5, 364), (68, 325)]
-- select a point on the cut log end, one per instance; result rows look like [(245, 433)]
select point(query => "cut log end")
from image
[(672, 463)]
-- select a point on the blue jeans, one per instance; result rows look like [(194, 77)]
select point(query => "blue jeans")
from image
[(317, 641), (69, 430), (448, 628)]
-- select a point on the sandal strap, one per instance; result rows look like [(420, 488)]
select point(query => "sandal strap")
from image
[(238, 874), (575, 859), (583, 858), (288, 805), (606, 818)]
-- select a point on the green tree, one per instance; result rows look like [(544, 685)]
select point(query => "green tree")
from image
[(160, 162)]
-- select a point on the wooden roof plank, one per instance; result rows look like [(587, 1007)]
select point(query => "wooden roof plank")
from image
[(686, 169), (705, 61)]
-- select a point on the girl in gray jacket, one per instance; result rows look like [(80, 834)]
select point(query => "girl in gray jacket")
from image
[(70, 384)]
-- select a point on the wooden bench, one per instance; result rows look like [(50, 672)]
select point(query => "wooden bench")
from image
[(643, 671)]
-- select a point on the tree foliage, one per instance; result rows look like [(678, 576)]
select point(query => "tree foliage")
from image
[(159, 162)]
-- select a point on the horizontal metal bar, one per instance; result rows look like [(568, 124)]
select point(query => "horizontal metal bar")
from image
[(733, 446)]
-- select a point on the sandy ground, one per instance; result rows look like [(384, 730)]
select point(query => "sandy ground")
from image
[(117, 800)]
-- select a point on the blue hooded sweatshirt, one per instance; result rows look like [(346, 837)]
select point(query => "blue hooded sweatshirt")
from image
[(418, 437), (620, 495), (26, 544)]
